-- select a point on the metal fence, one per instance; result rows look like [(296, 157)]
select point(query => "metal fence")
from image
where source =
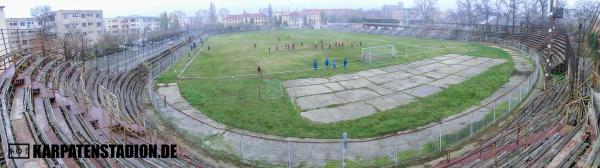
[(388, 150)]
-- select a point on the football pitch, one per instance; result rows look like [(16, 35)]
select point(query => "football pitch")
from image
[(223, 82)]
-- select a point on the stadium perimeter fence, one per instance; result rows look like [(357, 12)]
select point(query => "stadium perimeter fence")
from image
[(388, 150)]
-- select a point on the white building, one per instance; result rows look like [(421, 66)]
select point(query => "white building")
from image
[(131, 24), (292, 19), (257, 19)]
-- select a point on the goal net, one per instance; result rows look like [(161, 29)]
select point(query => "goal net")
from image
[(372, 54)]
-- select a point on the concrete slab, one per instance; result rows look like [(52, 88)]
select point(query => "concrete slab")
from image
[(334, 86), (380, 90), (371, 72), (406, 83), (424, 90), (380, 79), (343, 77), (340, 113), (427, 68), (435, 74), (452, 69), (357, 95), (472, 71), (303, 82), (449, 80), (420, 63), (390, 101), (356, 83), (318, 101), (395, 68), (307, 90), (451, 61)]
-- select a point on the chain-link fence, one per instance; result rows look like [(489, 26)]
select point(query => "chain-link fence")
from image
[(388, 150)]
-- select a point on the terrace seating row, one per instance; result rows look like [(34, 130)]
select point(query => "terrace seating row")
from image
[(44, 83)]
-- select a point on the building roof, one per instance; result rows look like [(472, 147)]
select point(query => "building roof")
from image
[(62, 11), (243, 16), (290, 14), (133, 17), (318, 11)]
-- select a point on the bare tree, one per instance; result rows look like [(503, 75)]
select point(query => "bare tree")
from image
[(40, 13), (465, 7), (426, 9), (560, 4), (513, 9), (543, 7), (528, 7), (484, 7), (585, 8), (499, 4)]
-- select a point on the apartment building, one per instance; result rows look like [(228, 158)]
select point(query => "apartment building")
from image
[(85, 26), (131, 24), (21, 33), (258, 19), (292, 19)]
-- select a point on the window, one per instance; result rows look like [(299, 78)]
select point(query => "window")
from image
[(82, 15), (98, 16), (99, 24), (83, 25), (65, 16), (89, 15), (13, 23), (22, 23), (90, 23)]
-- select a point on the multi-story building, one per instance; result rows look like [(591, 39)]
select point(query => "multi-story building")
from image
[(23, 23), (306, 17), (313, 17), (21, 33), (257, 19), (332, 15), (399, 12), (131, 24), (85, 26), (292, 19)]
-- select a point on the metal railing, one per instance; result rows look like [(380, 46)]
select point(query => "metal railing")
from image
[(387, 150)]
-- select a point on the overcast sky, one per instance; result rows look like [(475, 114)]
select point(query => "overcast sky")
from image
[(112, 8)]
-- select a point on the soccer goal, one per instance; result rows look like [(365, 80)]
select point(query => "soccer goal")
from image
[(372, 54)]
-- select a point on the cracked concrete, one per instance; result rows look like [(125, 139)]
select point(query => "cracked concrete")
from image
[(327, 100)]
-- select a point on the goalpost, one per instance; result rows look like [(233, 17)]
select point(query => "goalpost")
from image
[(371, 54)]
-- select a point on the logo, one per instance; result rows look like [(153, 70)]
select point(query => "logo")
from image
[(18, 151), (23, 151)]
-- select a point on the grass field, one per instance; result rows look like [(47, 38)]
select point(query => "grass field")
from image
[(235, 101)]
